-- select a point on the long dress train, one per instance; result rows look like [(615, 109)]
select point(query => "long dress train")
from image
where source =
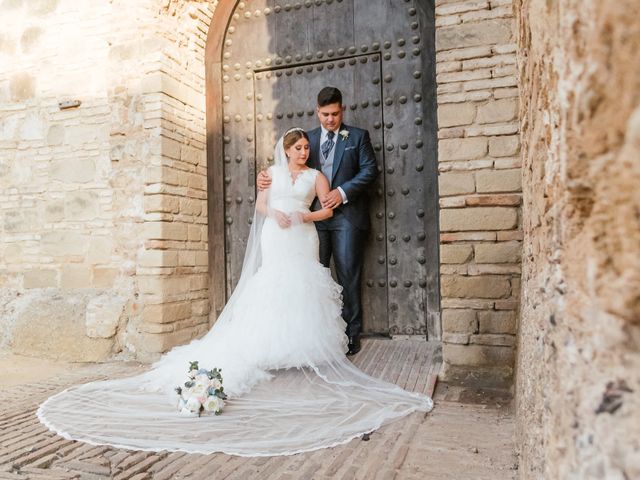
[(281, 345)]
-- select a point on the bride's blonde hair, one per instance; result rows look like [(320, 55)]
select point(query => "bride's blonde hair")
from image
[(292, 136)]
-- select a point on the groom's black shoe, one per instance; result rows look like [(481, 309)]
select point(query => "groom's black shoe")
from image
[(354, 345)]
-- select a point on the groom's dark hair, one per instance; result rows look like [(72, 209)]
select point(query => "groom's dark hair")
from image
[(328, 96)]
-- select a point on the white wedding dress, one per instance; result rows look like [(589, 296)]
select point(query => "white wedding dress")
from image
[(280, 342)]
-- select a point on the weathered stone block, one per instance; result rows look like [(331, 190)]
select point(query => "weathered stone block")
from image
[(450, 115), (504, 146), (186, 258), (163, 174), (54, 210), (478, 218), (472, 34), (196, 233), (489, 130), (499, 200), (53, 326), (157, 327), (200, 307), (459, 321), (192, 206), (166, 312), (463, 54), (492, 321), (482, 268), (489, 181), (75, 276), (33, 127), (104, 277), (502, 110), (456, 184), (76, 170), (159, 343), (100, 249), (202, 258), (506, 163), (459, 338), (22, 87), (103, 316), (13, 253), (157, 285), (459, 7), (55, 135), (463, 97), (463, 76), (63, 242), (477, 355), (40, 278), (455, 253), (21, 220), (462, 148), (491, 339), (158, 258), (161, 203), (468, 236), (504, 252), (81, 205), (165, 231), (481, 286)]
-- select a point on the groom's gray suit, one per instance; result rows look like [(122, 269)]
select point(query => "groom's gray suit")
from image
[(343, 236)]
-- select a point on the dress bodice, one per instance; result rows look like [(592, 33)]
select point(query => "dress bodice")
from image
[(290, 195)]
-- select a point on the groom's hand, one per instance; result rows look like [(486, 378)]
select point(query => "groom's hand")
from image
[(263, 180), (332, 199)]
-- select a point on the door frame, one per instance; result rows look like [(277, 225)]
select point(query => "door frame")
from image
[(220, 21), (215, 150)]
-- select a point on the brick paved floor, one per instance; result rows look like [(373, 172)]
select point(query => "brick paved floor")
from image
[(469, 434)]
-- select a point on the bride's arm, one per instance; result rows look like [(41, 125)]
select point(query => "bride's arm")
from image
[(261, 203), (262, 207), (322, 188)]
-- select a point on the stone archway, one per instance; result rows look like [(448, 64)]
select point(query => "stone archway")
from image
[(388, 78)]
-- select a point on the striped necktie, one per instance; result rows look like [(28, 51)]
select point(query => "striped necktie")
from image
[(327, 145)]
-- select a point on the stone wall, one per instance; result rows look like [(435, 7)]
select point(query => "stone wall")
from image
[(578, 402), (480, 187), (102, 206)]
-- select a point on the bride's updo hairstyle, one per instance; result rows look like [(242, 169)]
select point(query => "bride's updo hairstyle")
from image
[(292, 136)]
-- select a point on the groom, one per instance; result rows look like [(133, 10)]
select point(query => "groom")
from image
[(345, 155)]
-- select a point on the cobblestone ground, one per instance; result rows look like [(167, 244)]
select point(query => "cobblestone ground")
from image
[(469, 434)]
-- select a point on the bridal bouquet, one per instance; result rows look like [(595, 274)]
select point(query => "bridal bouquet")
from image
[(202, 392)]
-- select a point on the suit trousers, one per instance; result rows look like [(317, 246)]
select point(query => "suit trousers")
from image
[(345, 242)]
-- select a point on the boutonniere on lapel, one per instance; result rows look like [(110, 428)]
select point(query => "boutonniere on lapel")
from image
[(344, 134)]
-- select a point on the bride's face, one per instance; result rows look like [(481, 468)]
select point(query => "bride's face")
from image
[(298, 153)]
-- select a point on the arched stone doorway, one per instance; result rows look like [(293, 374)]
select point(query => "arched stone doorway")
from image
[(265, 62)]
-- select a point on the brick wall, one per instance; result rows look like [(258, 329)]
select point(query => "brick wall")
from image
[(480, 186), (102, 206)]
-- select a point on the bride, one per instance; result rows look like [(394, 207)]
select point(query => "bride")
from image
[(280, 344)]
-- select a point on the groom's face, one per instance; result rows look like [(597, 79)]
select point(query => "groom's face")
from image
[(330, 115)]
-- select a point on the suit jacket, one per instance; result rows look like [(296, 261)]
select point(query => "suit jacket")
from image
[(354, 170)]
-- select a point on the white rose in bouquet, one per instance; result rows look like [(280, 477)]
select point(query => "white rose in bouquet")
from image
[(215, 383), (213, 404), (193, 404)]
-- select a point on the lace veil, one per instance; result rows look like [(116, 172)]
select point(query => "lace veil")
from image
[(322, 400)]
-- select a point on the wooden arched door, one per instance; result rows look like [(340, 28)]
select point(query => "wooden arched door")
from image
[(266, 61)]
